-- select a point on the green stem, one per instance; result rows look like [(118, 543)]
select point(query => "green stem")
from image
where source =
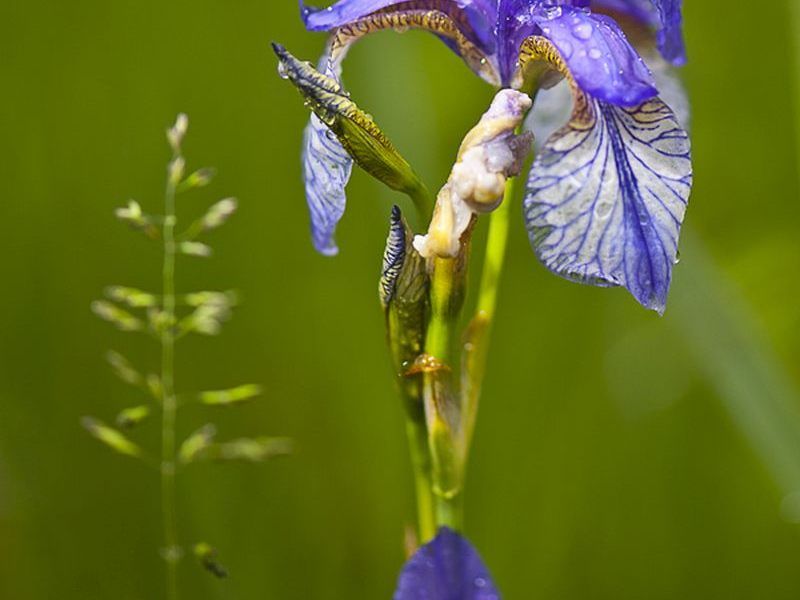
[(476, 350), (446, 295), (444, 310), (169, 401), (495, 253), (450, 511), (426, 507)]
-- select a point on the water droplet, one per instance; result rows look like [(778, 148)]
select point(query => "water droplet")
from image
[(595, 54), (583, 31), (603, 209), (552, 12), (480, 582)]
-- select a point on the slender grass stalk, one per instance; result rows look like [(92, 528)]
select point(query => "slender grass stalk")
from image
[(169, 401), (168, 317)]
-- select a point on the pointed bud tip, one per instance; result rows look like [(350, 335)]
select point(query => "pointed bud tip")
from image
[(279, 50)]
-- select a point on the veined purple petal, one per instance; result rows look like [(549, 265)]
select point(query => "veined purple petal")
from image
[(598, 55), (664, 15), (447, 568), (670, 36), (607, 195), (326, 171), (670, 87)]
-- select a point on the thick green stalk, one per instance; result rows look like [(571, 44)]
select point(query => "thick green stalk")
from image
[(169, 401), (444, 310), (423, 484), (446, 301)]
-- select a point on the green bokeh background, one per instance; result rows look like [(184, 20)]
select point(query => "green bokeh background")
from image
[(618, 455)]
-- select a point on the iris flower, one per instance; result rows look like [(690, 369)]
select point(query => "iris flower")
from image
[(607, 192), (447, 568)]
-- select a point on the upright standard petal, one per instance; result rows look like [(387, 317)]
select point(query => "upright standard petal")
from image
[(670, 35), (598, 55), (447, 568), (664, 15), (607, 195)]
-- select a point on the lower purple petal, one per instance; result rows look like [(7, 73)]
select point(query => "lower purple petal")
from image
[(447, 568), (607, 195), (326, 171)]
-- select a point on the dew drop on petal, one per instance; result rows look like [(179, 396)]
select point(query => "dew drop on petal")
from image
[(582, 31), (552, 12)]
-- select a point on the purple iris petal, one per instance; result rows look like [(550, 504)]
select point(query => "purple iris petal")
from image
[(607, 195), (480, 14), (447, 568), (665, 15), (344, 11), (326, 171), (670, 36), (641, 10), (514, 24), (598, 55)]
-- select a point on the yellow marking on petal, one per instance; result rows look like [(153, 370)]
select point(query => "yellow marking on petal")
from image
[(541, 62), (435, 21)]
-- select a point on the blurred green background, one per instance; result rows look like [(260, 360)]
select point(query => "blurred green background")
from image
[(618, 455)]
